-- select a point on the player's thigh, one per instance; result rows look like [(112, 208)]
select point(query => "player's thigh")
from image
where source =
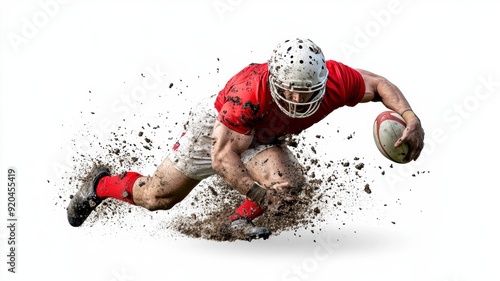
[(276, 166), (189, 161)]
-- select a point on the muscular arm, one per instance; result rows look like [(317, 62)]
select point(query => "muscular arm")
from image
[(227, 148), (379, 88)]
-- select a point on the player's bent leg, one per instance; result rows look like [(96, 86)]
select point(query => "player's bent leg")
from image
[(163, 190), (167, 187), (277, 168), (274, 167)]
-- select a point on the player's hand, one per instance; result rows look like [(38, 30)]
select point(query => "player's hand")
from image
[(274, 199), (279, 200), (413, 135)]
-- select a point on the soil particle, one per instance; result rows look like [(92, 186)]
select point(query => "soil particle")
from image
[(359, 166), (367, 189)]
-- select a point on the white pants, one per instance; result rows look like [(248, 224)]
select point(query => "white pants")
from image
[(191, 153)]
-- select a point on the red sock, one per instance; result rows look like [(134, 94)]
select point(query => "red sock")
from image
[(118, 187), (248, 209)]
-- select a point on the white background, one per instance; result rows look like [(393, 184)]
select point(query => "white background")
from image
[(53, 53)]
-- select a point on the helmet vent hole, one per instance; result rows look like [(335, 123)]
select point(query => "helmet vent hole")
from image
[(289, 48), (301, 61)]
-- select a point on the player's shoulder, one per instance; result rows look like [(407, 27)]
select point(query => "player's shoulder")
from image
[(337, 70), (333, 64), (250, 74), (251, 80), (254, 70), (250, 84)]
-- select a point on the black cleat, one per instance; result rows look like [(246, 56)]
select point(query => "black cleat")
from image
[(245, 228), (85, 200)]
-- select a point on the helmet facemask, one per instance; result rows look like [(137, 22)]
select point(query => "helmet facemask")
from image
[(297, 66), (297, 109)]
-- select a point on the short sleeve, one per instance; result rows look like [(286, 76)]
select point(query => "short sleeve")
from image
[(349, 81), (236, 117)]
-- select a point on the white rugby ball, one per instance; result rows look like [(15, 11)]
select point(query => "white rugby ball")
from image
[(387, 129)]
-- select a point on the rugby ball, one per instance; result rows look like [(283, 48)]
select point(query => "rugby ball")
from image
[(387, 129)]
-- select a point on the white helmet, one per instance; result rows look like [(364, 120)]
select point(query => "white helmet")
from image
[(298, 66)]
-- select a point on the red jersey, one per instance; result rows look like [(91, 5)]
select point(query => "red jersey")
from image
[(246, 106)]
